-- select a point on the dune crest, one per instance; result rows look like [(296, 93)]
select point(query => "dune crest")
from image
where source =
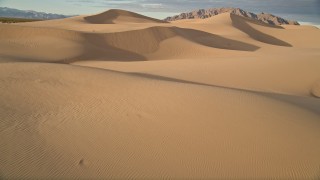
[(242, 24), (115, 16)]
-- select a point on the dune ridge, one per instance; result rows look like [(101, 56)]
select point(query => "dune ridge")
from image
[(115, 16), (128, 45), (118, 95), (131, 45), (255, 34)]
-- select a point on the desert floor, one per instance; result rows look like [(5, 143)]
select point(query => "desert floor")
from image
[(120, 95)]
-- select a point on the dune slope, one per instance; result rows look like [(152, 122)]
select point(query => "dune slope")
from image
[(240, 23), (123, 96), (115, 125), (67, 46)]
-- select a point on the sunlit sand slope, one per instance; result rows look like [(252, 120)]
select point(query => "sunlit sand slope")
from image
[(121, 95)]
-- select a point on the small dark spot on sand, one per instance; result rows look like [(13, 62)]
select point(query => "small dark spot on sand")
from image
[(81, 162)]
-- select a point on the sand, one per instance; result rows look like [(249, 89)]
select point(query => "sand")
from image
[(121, 95)]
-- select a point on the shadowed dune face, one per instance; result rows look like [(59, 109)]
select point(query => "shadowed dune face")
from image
[(147, 40), (114, 16), (242, 24), (119, 46), (215, 41), (141, 41), (56, 45)]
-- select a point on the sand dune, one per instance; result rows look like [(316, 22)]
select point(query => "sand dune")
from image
[(241, 24), (134, 44), (128, 45), (121, 95), (115, 16)]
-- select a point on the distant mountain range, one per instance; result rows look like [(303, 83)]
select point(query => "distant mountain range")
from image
[(206, 13), (16, 13)]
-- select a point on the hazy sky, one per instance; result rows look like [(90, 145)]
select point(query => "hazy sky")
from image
[(302, 10)]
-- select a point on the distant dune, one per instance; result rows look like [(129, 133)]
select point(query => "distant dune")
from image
[(119, 16), (119, 95)]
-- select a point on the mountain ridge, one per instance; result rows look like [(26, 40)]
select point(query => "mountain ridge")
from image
[(28, 14), (206, 13)]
